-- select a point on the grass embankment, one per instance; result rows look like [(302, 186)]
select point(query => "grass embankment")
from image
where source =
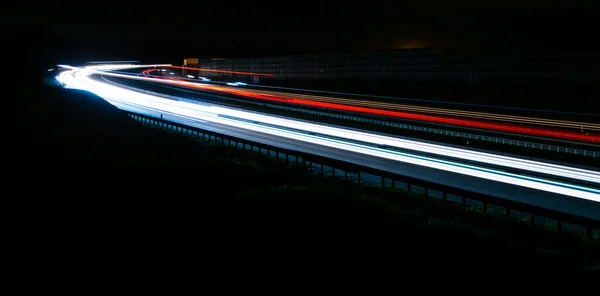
[(101, 181)]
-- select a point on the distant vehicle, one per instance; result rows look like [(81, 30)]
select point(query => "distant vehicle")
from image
[(235, 83)]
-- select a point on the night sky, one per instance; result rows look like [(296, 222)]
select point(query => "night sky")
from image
[(162, 31)]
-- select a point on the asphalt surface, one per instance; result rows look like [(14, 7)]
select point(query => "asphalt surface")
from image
[(570, 205), (195, 97), (185, 91), (376, 103), (544, 199)]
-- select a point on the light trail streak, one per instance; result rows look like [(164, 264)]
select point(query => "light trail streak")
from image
[(111, 67), (538, 167), (511, 128), (219, 71), (80, 79), (396, 99), (430, 110), (460, 113), (522, 164)]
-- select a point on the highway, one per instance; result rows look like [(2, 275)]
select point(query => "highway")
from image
[(540, 184), (557, 129), (389, 142), (350, 120), (426, 110)]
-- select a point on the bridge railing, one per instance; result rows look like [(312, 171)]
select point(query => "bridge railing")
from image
[(362, 175), (465, 135)]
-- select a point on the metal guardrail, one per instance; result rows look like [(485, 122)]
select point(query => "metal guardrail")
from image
[(491, 139), (497, 140), (349, 171)]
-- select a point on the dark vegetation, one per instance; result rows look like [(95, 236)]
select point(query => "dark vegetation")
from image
[(99, 187), (97, 196)]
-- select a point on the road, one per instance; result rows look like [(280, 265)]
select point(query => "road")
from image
[(559, 129), (422, 109), (499, 137), (342, 144), (500, 143), (389, 142)]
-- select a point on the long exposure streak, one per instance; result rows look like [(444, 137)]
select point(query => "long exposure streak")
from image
[(533, 131), (219, 71), (250, 121)]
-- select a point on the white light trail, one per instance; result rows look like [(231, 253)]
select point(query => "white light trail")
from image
[(523, 164), (112, 67), (506, 161), (80, 79)]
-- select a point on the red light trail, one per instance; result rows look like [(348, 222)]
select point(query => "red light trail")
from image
[(533, 131)]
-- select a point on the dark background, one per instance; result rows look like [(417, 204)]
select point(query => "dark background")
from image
[(168, 32), (58, 167)]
